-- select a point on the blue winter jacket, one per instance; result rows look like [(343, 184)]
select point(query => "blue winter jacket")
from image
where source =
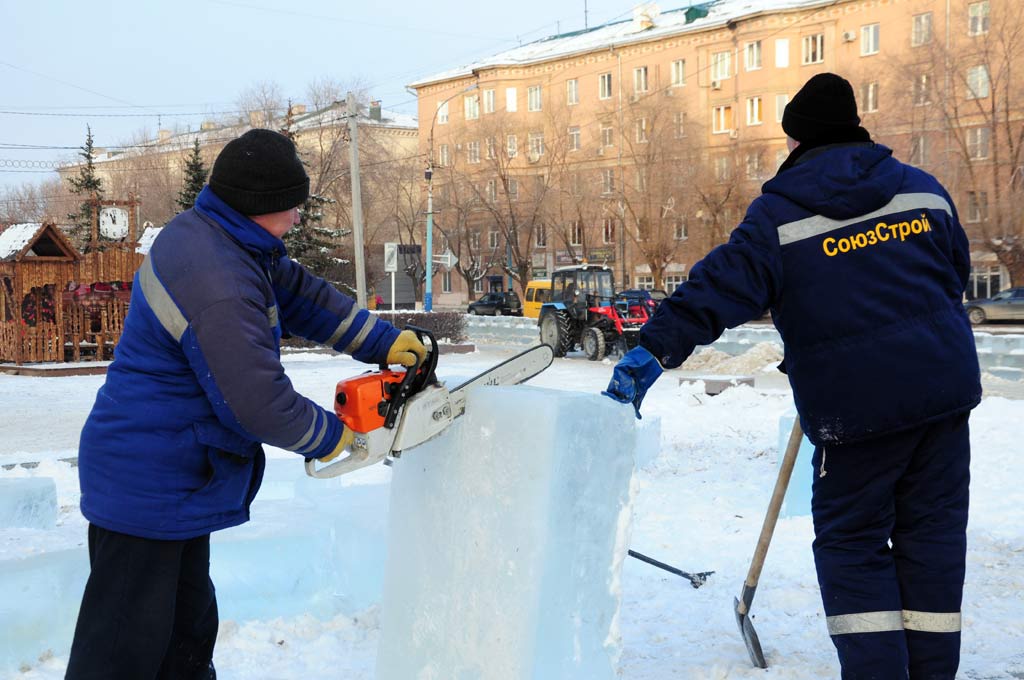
[(172, 447), (863, 263)]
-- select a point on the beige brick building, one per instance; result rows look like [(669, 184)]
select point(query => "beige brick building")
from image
[(639, 143)]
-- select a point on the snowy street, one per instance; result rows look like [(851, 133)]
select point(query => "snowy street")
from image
[(699, 506)]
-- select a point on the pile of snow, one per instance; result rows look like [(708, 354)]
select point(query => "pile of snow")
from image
[(764, 356)]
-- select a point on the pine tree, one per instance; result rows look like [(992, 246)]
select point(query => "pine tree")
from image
[(87, 183), (309, 242), (194, 179)]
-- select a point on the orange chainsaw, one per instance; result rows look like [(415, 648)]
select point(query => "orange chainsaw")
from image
[(393, 411)]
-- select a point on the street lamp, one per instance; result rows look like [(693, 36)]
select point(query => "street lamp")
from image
[(428, 293)]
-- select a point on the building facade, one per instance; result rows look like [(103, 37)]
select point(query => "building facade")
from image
[(639, 143)]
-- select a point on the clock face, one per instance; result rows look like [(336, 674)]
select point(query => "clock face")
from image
[(113, 223)]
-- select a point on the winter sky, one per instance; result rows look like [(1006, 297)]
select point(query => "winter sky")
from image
[(124, 66)]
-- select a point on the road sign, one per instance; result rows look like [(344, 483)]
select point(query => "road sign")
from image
[(446, 259), (391, 257)]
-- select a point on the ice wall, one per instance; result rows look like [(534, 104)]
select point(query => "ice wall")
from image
[(28, 503), (506, 539)]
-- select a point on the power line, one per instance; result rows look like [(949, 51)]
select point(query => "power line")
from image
[(154, 114)]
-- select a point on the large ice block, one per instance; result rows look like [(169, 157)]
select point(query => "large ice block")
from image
[(797, 501), (506, 539), (28, 503)]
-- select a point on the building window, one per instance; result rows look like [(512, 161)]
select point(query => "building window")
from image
[(977, 13), (575, 184), (721, 65), (512, 146), (492, 148), (474, 241), (644, 282), (640, 80), (780, 106), (572, 92), (446, 281), (442, 113), (478, 286), (607, 180), (492, 239), (869, 97), (641, 131), (721, 168), (535, 142), (542, 236), (922, 90), (574, 138), (533, 98), (488, 101), (641, 181), (984, 282), (472, 152), (491, 191), (442, 156), (471, 106), (607, 135), (608, 230), (782, 53), (869, 38), (678, 73), (604, 82), (754, 111), (752, 55), (977, 206), (511, 100), (978, 143), (977, 82), (575, 233), (919, 150), (679, 230), (754, 165), (679, 123), (721, 119), (922, 31), (814, 49), (513, 189)]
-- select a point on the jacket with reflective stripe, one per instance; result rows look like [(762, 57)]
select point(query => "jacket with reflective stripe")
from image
[(172, 447), (863, 262)]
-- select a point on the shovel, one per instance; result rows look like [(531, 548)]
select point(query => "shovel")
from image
[(696, 580), (746, 598)]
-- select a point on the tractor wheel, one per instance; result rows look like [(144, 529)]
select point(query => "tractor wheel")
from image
[(593, 343), (556, 332), (976, 315)]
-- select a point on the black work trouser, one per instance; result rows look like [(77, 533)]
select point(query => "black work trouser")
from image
[(149, 611), (890, 519)]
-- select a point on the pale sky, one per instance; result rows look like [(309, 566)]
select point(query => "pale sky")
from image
[(125, 66)]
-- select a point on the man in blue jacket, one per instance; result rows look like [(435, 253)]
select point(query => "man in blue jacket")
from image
[(863, 262), (172, 448)]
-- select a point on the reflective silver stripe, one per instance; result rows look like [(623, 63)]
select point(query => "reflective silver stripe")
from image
[(343, 326), (322, 431), (167, 313), (931, 622), (817, 225), (357, 341), (304, 439), (865, 622), (272, 315)]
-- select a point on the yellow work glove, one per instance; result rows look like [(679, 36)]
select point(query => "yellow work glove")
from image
[(406, 348), (347, 437)]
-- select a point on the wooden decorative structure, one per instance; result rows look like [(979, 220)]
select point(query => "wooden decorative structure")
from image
[(57, 304)]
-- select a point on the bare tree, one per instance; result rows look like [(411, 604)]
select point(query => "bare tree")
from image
[(261, 103)]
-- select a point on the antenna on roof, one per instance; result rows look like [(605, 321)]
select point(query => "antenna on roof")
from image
[(586, 23)]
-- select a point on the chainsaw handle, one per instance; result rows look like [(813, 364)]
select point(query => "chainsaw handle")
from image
[(416, 377), (366, 449)]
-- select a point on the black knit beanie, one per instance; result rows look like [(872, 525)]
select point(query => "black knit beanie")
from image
[(259, 173), (823, 111)]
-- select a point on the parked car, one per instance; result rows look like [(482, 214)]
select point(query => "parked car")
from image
[(1006, 305), (648, 298), (497, 304)]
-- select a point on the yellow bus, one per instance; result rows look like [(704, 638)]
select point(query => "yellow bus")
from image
[(538, 291)]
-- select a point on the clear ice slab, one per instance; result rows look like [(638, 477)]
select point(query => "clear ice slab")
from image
[(506, 539)]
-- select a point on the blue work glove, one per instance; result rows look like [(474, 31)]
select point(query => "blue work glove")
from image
[(633, 376)]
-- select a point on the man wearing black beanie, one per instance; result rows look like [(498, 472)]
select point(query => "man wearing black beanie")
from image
[(172, 449), (862, 262)]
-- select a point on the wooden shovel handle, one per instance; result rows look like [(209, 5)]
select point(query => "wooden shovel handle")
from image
[(772, 516)]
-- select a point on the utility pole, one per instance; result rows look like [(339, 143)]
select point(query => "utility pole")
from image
[(357, 199)]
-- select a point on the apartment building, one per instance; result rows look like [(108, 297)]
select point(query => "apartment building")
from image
[(639, 143)]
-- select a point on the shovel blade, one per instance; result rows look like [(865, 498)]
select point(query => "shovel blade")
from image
[(749, 636)]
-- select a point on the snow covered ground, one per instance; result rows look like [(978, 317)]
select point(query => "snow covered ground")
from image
[(699, 507)]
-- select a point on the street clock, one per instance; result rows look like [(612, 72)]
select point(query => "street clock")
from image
[(113, 223)]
